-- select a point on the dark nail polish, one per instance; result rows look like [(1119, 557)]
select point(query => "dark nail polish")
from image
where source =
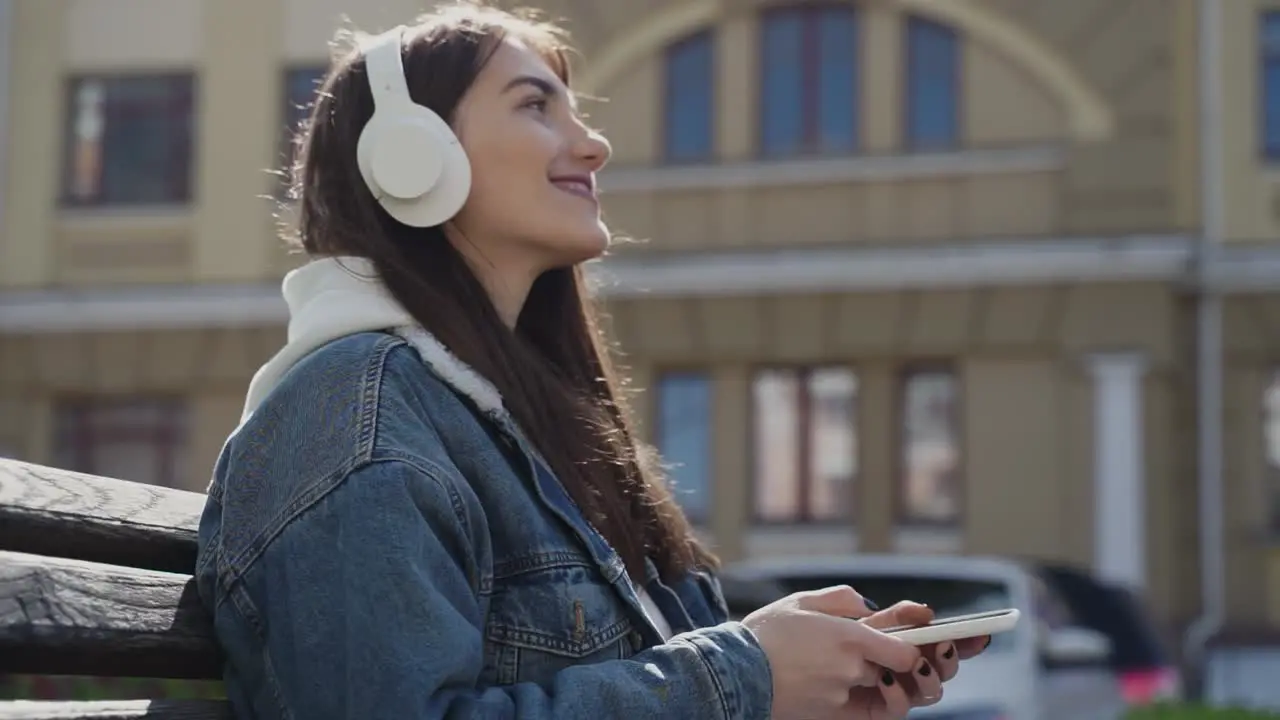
[(987, 644), (870, 605), (925, 669), (887, 679), (950, 653)]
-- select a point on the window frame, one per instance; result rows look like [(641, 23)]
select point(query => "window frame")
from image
[(903, 516), (1270, 471), (656, 425), (909, 109), (74, 414), (186, 102), (811, 63), (804, 437), (711, 37)]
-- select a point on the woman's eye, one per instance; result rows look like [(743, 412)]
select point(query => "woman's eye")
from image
[(538, 103)]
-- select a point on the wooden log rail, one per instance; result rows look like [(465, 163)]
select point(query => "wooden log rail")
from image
[(95, 579)]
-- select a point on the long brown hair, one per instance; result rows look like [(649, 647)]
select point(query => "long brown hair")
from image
[(554, 368)]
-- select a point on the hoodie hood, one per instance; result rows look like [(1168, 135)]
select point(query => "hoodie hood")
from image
[(333, 297)]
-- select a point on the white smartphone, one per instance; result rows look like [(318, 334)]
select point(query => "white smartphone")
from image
[(959, 627)]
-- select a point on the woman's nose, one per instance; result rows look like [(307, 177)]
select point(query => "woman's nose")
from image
[(593, 148)]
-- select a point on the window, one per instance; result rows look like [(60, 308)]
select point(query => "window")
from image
[(1271, 445), (300, 87), (684, 438), (690, 99), (933, 79), (805, 444), (929, 491), (809, 80), (129, 140), (138, 439), (1269, 43)]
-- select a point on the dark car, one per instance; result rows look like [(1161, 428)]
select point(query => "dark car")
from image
[(1140, 656)]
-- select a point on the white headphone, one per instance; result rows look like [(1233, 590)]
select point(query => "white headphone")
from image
[(408, 155)]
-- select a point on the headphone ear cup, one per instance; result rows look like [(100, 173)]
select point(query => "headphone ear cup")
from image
[(405, 158), (414, 165)]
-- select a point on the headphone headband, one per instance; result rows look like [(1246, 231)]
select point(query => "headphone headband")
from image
[(408, 155), (385, 68)]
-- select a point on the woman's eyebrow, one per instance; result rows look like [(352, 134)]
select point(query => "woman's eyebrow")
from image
[(541, 84)]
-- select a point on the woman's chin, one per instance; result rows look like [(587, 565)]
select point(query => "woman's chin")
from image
[(585, 246)]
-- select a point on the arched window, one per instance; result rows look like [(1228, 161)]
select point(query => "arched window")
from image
[(809, 80), (933, 86), (1269, 47), (689, 115)]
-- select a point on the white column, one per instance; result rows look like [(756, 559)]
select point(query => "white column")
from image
[(1120, 498)]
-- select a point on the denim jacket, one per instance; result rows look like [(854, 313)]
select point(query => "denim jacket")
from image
[(381, 541)]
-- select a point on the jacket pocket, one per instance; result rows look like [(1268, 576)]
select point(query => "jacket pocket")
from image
[(550, 611)]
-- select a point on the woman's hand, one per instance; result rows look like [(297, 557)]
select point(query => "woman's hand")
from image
[(922, 686), (826, 665)]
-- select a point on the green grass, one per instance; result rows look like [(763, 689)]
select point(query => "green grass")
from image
[(1195, 712), (71, 687)]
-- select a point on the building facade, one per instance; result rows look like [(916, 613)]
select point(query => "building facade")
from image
[(909, 275)]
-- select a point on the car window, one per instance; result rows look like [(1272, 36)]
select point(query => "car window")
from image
[(1048, 608), (1114, 611), (947, 596), (744, 597)]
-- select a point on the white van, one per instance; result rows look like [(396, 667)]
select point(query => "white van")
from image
[(1046, 669)]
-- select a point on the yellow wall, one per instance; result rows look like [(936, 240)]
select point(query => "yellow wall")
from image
[(1027, 81)]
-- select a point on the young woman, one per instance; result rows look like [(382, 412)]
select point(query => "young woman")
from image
[(434, 506)]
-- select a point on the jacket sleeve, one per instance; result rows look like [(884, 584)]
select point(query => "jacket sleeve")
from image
[(373, 613)]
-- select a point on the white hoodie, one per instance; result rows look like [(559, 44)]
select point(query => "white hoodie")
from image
[(334, 297)]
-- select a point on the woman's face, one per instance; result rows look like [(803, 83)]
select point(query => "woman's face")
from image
[(533, 204)]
